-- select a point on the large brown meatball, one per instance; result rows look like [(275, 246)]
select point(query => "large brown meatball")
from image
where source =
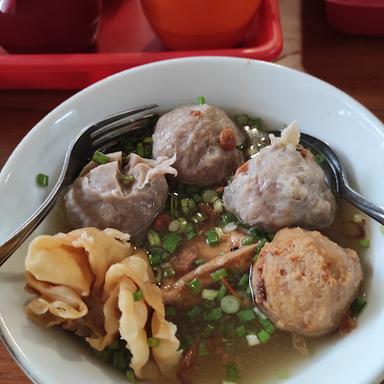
[(305, 282), (104, 197), (282, 186), (204, 140)]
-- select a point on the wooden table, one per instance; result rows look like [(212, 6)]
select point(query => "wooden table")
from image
[(354, 64)]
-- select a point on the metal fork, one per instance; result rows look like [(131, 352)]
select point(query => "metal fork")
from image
[(101, 136)]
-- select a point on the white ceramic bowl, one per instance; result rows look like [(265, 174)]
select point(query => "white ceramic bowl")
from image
[(278, 94)]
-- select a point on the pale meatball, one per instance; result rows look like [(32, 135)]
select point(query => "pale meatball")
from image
[(204, 140), (282, 186), (305, 282), (104, 197)]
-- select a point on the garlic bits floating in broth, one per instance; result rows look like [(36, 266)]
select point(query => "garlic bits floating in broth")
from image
[(97, 285), (281, 186), (126, 195), (203, 139)]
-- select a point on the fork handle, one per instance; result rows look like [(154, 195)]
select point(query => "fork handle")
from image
[(372, 210), (9, 246)]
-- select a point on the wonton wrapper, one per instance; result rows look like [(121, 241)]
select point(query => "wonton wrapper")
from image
[(85, 281)]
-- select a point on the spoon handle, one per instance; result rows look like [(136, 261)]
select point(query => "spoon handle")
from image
[(372, 210)]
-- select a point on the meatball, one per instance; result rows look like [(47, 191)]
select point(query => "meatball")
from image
[(204, 140), (282, 186), (305, 282), (127, 199)]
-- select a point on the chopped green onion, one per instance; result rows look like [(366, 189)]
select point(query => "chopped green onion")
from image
[(200, 261), (197, 198), (209, 329), (169, 272), (263, 336), (203, 350), (319, 158), (232, 373), (257, 233), (209, 294), (219, 274), (138, 295), (173, 206), (246, 315), (183, 224), (131, 377), (255, 122), (153, 342), (244, 281), (153, 238), (210, 196), (170, 311), (282, 374), (364, 243), (195, 285), (191, 234), (198, 218), (100, 158), (259, 247), (252, 340), (241, 119), (42, 180), (214, 314), (201, 100), (222, 291), (127, 179), (174, 225), (240, 331), (185, 206), (148, 140), (266, 324), (171, 242), (147, 150), (247, 241), (357, 305), (194, 313), (228, 217), (229, 304), (212, 238), (270, 236), (154, 259), (218, 206), (140, 149)]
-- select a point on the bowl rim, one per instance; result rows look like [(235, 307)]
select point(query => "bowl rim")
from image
[(360, 109)]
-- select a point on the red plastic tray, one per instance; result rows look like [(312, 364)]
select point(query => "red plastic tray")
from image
[(126, 40)]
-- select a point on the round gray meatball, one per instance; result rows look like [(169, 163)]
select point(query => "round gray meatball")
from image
[(204, 140), (282, 186), (305, 282), (127, 199)]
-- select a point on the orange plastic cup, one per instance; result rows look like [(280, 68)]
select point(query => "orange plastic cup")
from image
[(200, 24)]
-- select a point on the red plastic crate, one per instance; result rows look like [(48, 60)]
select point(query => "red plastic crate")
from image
[(126, 40)]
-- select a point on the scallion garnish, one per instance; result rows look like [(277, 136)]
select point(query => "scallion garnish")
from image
[(244, 281), (263, 336), (197, 198), (219, 274), (170, 311), (171, 241), (201, 100), (100, 158), (154, 259), (174, 225), (259, 247), (228, 217), (194, 313), (246, 315), (214, 314), (138, 295), (229, 304), (357, 305), (210, 196), (200, 261), (232, 373), (209, 294), (364, 243), (42, 180), (153, 238), (240, 331), (222, 291), (212, 237), (153, 342), (218, 206), (198, 218), (248, 240), (131, 377), (191, 234), (257, 233), (140, 149), (266, 324), (195, 285), (127, 179), (252, 340)]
